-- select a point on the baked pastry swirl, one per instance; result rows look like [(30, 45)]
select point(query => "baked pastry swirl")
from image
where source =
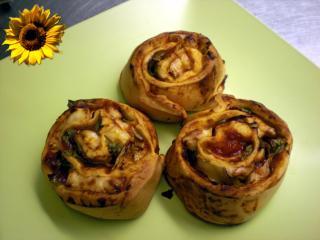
[(228, 161), (102, 158), (173, 73)]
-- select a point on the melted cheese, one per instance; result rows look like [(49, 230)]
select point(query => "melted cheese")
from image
[(114, 113), (192, 139), (92, 183), (77, 117), (93, 145), (116, 134)]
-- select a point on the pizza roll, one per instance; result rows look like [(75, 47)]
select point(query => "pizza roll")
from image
[(228, 161), (173, 73), (102, 158)]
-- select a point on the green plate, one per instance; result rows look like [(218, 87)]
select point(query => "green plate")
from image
[(260, 65)]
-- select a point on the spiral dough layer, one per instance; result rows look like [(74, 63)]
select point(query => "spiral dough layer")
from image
[(228, 161), (173, 73), (102, 158)]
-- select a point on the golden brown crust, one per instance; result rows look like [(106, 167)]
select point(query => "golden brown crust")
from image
[(102, 158), (172, 73), (228, 161)]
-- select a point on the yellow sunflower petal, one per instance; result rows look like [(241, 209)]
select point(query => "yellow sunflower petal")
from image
[(17, 52), (42, 12), (48, 52), (35, 9), (15, 26), (54, 48), (10, 41), (44, 16), (15, 30), (33, 17), (47, 13), (36, 13), (16, 22), (41, 52), (39, 9), (56, 28), (14, 46), (32, 58), (54, 35), (53, 40), (52, 21), (24, 56), (25, 16), (32, 13), (25, 12), (9, 32), (38, 55)]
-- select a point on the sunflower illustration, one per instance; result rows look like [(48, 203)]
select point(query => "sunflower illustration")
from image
[(34, 35)]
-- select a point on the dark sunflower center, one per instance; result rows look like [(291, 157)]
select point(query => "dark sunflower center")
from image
[(32, 37)]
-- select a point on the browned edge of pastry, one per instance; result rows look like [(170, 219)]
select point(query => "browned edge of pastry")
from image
[(172, 73), (233, 190), (102, 159)]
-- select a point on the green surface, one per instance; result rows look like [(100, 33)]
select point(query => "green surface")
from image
[(260, 66)]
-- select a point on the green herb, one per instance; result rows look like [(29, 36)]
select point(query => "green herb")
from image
[(248, 150), (246, 110), (272, 146), (72, 147), (68, 135), (98, 125), (114, 150), (277, 145), (71, 103)]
